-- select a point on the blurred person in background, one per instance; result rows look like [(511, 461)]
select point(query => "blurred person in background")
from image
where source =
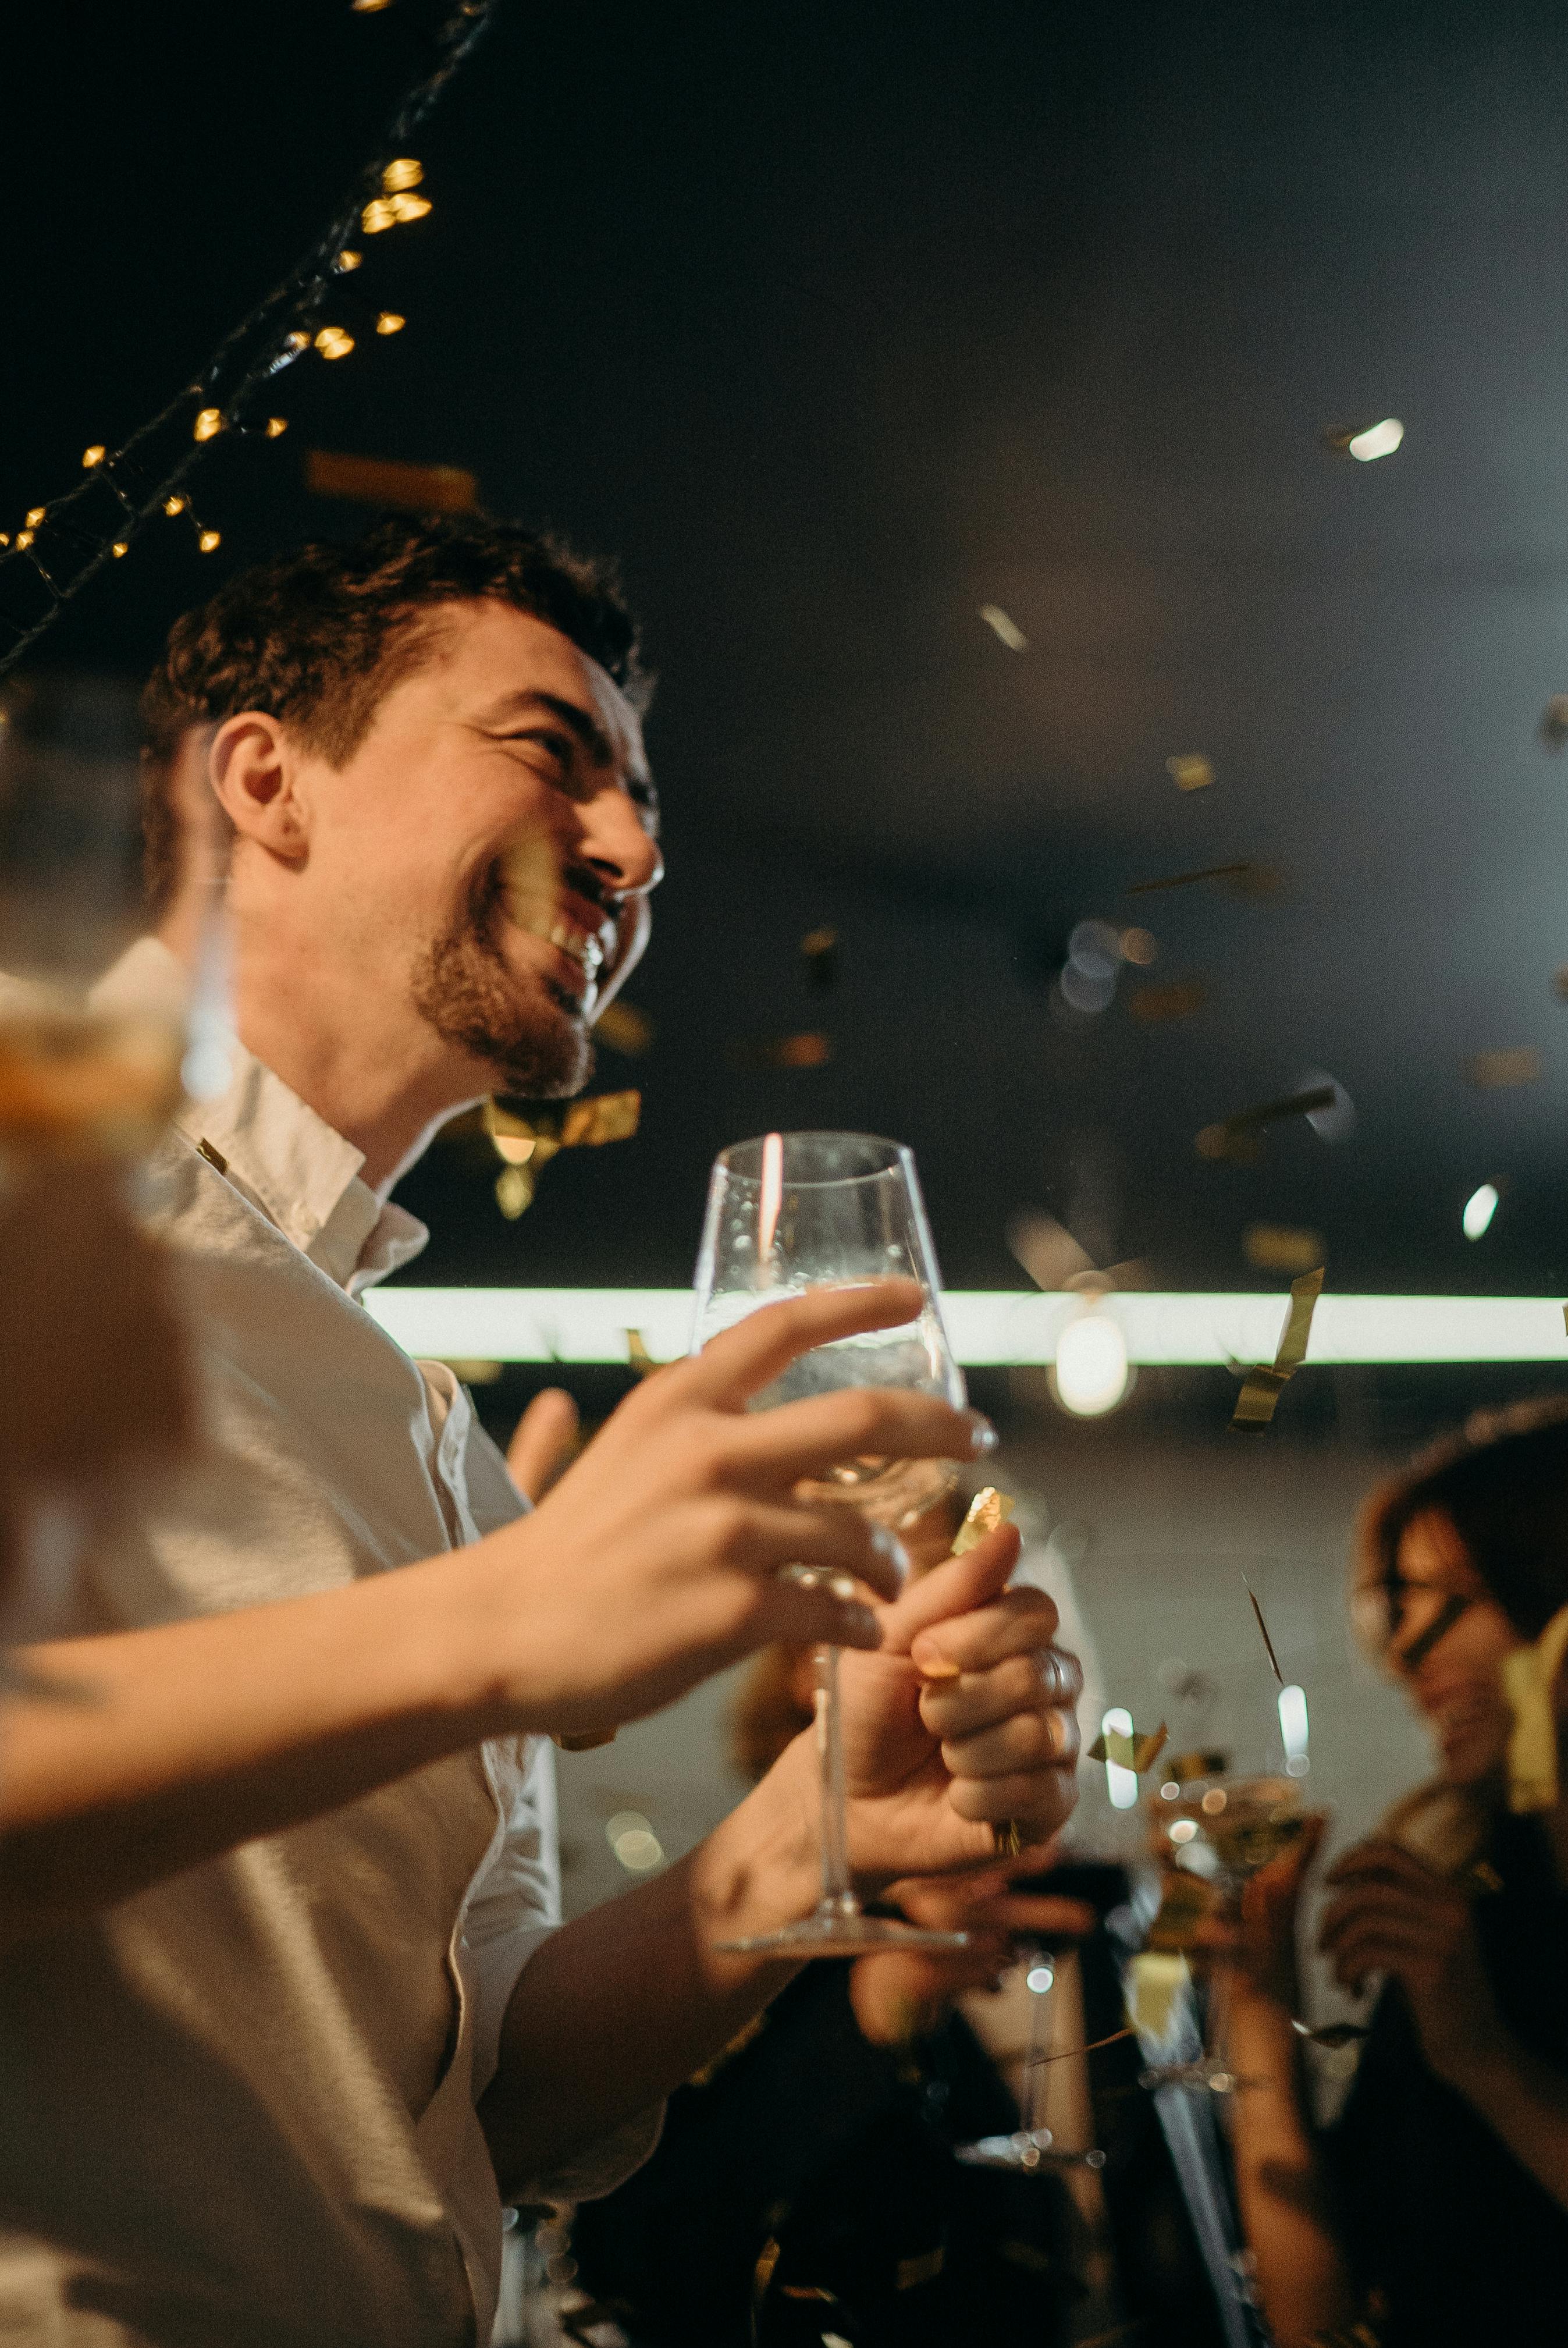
[(1436, 2208), (281, 2059)]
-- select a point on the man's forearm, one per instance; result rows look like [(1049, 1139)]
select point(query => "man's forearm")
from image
[(1301, 2275), (145, 1752), (620, 2006)]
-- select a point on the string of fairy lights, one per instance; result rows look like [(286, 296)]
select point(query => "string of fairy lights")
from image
[(63, 542)]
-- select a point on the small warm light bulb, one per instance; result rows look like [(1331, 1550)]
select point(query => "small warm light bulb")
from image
[(208, 540), (391, 322), (94, 456), (24, 540), (174, 505), (1121, 1784), (348, 259), (4, 537), (1091, 1367), (409, 208), (1378, 440), (276, 426), (121, 546), (1478, 1210), (297, 340), (334, 343), (35, 516), (368, 7), (209, 423), (401, 173), (377, 215)]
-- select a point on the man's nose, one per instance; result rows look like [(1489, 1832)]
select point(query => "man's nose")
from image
[(616, 842)]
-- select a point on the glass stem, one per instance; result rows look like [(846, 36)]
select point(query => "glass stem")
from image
[(1036, 2033), (837, 1895)]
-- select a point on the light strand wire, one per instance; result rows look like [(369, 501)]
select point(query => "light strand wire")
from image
[(271, 333)]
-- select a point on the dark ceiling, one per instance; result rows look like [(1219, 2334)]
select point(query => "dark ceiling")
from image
[(839, 324)]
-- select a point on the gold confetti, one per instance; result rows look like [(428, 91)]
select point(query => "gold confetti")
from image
[(1191, 771), (1491, 1072), (1187, 879), (1263, 1626), (819, 951), (1180, 1000), (1236, 1137), (1138, 1754), (1256, 1403), (625, 1030), (986, 1511), (809, 1051), (1276, 1247), (1185, 1903), (385, 481), (1007, 630)]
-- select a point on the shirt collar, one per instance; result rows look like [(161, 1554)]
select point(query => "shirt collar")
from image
[(303, 1174)]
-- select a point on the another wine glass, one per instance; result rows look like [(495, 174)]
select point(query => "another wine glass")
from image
[(1244, 1822), (789, 1212), (1030, 2149)]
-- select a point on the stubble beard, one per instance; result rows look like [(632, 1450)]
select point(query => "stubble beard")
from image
[(530, 1034)]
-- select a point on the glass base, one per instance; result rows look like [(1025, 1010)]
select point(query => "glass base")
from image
[(1025, 2150), (843, 1932)]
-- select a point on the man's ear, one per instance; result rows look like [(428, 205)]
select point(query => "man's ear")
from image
[(255, 773)]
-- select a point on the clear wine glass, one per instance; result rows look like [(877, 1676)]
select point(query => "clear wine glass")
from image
[(1030, 2149), (1246, 1822), (788, 1212)]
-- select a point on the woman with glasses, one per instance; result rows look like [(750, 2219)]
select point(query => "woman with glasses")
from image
[(1436, 2208)]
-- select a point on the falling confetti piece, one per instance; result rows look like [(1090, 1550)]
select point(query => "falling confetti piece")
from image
[(1236, 1137), (625, 1029), (1138, 1754), (1156, 1005), (819, 951), (1187, 879), (1191, 771), (1263, 1626), (1491, 1072), (1274, 1247), (986, 1511), (1001, 625), (809, 1051), (385, 481), (1256, 1403)]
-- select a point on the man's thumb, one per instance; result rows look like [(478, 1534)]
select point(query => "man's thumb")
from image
[(956, 1588)]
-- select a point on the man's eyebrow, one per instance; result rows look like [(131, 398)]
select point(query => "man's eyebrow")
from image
[(587, 727)]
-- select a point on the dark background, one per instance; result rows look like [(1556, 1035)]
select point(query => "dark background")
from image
[(837, 323)]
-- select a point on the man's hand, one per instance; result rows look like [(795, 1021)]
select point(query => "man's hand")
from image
[(656, 1558), (963, 1719), (903, 1993), (543, 1443), (1393, 1915)]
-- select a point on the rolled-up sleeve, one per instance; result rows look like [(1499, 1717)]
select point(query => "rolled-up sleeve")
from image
[(514, 1905)]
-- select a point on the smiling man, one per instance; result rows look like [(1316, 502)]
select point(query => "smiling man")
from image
[(321, 2017)]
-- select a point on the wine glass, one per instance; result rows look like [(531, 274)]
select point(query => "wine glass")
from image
[(788, 1212), (1030, 2149), (1244, 1823)]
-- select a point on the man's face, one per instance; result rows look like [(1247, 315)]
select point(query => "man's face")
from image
[(489, 848)]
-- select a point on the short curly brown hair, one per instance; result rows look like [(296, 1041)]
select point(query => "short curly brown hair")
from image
[(319, 636)]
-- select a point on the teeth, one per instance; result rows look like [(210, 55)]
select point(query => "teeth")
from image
[(584, 948)]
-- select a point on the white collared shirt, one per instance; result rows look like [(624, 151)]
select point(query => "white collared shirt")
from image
[(249, 2092)]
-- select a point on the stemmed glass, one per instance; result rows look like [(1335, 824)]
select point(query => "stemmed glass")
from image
[(1245, 1823), (1031, 2147), (789, 1212)]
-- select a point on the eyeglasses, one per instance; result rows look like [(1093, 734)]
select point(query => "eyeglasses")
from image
[(1388, 1614)]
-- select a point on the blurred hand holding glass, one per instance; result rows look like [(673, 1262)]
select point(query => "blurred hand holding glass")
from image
[(788, 1212)]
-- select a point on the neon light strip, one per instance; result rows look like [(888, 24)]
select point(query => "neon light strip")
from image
[(991, 1329)]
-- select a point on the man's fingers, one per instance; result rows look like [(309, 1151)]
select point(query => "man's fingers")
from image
[(1027, 1740), (1049, 1914), (1034, 1683), (740, 1362), (803, 1616), (1019, 1622), (542, 1442), (1038, 1801), (954, 1588), (807, 1438), (1378, 1860), (1381, 1903), (839, 1543)]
